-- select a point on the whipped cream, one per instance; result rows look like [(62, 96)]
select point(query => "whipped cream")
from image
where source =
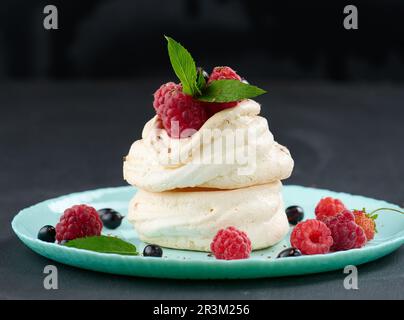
[(190, 219), (153, 162)]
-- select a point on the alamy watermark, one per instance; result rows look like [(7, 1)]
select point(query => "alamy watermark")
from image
[(351, 280), (51, 281), (351, 20), (51, 19)]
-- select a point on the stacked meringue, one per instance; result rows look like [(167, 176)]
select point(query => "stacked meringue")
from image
[(188, 189)]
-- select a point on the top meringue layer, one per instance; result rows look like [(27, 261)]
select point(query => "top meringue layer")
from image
[(233, 149)]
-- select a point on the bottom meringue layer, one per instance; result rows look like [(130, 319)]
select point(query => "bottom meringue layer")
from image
[(189, 219)]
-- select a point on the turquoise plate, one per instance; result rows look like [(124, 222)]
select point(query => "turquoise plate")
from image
[(198, 265)]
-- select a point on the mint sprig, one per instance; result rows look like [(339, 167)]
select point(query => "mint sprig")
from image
[(194, 84), (103, 244), (184, 66), (200, 81), (229, 90)]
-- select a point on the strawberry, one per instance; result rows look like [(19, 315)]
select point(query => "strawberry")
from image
[(367, 222)]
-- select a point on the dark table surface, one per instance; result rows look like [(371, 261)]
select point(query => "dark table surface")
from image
[(67, 137)]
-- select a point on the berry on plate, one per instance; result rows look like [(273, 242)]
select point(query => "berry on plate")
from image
[(367, 222), (311, 237), (153, 250), (345, 232), (110, 218), (47, 233), (289, 252), (78, 222), (329, 207), (295, 214), (180, 114), (231, 244)]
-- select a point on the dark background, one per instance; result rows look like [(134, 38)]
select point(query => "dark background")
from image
[(275, 39), (73, 100)]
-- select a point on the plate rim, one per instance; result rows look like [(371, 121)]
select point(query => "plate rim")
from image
[(397, 239)]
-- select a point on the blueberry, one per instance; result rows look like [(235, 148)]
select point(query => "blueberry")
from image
[(289, 252), (111, 219), (295, 214), (47, 233), (152, 250)]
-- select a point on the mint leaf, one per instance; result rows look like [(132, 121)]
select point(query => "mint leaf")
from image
[(229, 90), (194, 84), (183, 65), (200, 81), (103, 244)]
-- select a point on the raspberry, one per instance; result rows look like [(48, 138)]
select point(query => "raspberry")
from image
[(231, 244), (180, 114), (311, 237), (221, 73), (215, 107), (345, 232), (78, 222), (328, 207), (159, 95), (367, 222)]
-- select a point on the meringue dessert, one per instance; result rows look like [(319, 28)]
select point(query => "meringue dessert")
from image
[(227, 172)]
